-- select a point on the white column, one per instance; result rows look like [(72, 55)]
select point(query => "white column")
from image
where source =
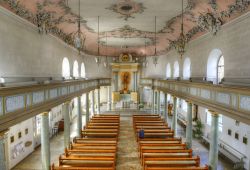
[(45, 144), (165, 107), (98, 101), (153, 101), (174, 117), (109, 99), (213, 149), (65, 109), (158, 102), (93, 102), (87, 107), (189, 128), (79, 116), (4, 150), (115, 81)]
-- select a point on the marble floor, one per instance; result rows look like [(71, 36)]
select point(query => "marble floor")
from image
[(127, 156)]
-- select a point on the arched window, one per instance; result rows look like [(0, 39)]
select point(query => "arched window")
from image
[(168, 71), (83, 73), (176, 69), (65, 68), (75, 69), (212, 66), (220, 69), (186, 68)]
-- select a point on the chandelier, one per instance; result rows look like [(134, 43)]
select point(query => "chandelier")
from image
[(145, 61), (78, 36), (98, 59), (155, 57), (180, 44)]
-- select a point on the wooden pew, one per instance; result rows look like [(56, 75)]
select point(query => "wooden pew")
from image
[(177, 168), (53, 167), (86, 162), (171, 162), (161, 149), (185, 153)]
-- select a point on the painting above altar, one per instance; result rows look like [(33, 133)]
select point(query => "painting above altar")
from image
[(125, 80)]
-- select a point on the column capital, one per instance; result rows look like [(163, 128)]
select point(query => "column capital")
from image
[(45, 113), (188, 101), (67, 102), (213, 113), (4, 133)]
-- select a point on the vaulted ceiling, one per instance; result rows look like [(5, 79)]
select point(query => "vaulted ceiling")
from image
[(127, 25)]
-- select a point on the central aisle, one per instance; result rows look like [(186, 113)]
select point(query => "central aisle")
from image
[(127, 155)]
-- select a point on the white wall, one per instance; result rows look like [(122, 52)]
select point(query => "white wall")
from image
[(25, 53), (17, 150)]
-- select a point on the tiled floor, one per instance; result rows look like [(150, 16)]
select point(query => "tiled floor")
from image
[(127, 149)]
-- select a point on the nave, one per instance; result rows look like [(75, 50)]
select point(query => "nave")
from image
[(127, 148)]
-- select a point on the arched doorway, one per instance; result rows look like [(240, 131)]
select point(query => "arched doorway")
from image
[(212, 66), (83, 72), (65, 68), (168, 71), (75, 69), (176, 69), (186, 68)]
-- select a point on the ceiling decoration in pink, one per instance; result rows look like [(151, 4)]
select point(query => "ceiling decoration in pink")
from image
[(126, 25)]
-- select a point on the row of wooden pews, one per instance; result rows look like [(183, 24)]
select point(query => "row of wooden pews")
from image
[(159, 149), (97, 147)]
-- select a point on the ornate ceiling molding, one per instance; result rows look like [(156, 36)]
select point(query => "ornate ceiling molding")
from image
[(55, 17), (126, 8)]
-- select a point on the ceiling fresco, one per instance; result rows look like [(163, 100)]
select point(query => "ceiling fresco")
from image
[(127, 25)]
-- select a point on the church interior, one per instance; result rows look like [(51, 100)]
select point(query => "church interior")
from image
[(124, 84)]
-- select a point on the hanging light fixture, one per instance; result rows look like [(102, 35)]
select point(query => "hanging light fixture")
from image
[(98, 59), (155, 58), (78, 36), (145, 61), (105, 63), (180, 44)]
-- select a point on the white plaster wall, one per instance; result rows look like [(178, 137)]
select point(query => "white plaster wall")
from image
[(233, 40), (17, 149), (25, 53)]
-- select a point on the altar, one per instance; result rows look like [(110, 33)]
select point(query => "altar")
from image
[(125, 74)]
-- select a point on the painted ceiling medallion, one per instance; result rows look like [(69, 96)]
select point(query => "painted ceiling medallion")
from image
[(126, 8)]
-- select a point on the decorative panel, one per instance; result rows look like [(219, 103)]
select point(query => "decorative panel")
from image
[(64, 90), (223, 98), (77, 87), (1, 106), (205, 94), (193, 91), (28, 99), (234, 100), (14, 103), (245, 102), (52, 93), (72, 89), (38, 97)]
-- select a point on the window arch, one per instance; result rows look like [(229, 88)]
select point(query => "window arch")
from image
[(168, 71), (65, 68), (176, 69), (75, 69), (186, 68), (83, 73), (212, 65)]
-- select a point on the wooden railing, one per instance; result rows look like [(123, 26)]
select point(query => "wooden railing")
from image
[(233, 101), (20, 103)]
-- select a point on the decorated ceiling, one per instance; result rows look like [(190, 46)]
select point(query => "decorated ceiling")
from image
[(128, 25)]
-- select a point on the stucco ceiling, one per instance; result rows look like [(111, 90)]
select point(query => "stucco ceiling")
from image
[(126, 25)]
